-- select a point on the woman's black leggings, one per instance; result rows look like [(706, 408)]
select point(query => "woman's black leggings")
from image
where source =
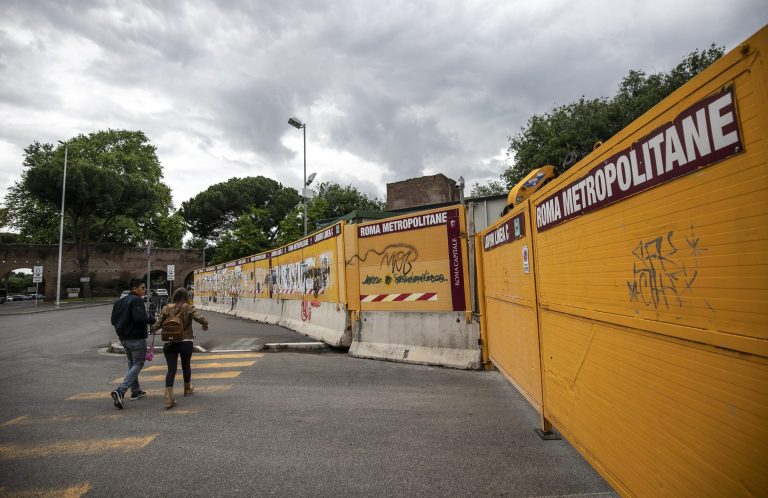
[(172, 350)]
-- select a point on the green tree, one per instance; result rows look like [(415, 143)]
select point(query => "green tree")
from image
[(245, 237), (215, 210), (578, 126), (332, 201), (206, 252), (19, 282), (36, 219), (238, 217), (114, 193), (493, 187)]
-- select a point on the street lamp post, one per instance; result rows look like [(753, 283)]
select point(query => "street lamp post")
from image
[(302, 126), (61, 224)]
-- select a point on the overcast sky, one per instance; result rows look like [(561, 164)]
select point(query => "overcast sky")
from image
[(390, 90)]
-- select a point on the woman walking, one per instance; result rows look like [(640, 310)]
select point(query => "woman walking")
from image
[(186, 312)]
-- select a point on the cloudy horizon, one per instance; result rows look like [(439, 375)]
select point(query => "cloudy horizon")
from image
[(389, 91)]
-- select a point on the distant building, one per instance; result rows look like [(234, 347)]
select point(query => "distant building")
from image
[(425, 190), (428, 192)]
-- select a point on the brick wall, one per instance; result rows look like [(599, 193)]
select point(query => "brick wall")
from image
[(421, 191)]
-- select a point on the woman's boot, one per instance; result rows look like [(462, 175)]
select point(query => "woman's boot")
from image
[(188, 389), (169, 401)]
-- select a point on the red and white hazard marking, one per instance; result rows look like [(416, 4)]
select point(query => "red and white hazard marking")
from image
[(406, 296)]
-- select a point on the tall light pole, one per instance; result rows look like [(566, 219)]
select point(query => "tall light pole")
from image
[(61, 224), (302, 126)]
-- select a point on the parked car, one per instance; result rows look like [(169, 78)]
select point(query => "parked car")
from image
[(126, 292), (38, 297), (17, 297)]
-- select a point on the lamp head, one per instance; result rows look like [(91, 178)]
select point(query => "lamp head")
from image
[(310, 178), (295, 123)]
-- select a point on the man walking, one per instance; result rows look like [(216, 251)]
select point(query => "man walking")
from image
[(130, 319)]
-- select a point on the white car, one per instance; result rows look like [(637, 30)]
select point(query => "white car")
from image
[(161, 292)]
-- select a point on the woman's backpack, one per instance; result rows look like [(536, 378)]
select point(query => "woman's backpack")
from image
[(173, 328)]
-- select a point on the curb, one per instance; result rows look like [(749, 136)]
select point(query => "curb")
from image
[(296, 346), (47, 310)]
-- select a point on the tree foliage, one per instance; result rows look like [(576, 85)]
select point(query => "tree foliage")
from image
[(332, 201), (493, 187), (114, 193), (18, 282), (577, 126), (240, 216), (214, 211), (246, 216)]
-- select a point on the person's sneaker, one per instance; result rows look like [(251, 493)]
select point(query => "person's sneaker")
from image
[(138, 395), (117, 397)]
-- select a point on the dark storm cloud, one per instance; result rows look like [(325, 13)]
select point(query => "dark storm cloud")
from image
[(411, 86)]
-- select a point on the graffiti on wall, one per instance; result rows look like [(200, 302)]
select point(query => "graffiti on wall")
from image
[(223, 286), (665, 270), (398, 257), (310, 276), (306, 309), (397, 261)]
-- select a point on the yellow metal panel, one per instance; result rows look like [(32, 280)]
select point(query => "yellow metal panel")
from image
[(416, 262), (657, 416), (653, 310), (510, 294), (309, 267), (514, 346), (504, 271), (691, 252), (260, 278)]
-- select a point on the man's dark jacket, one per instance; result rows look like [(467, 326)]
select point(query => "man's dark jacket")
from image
[(130, 318)]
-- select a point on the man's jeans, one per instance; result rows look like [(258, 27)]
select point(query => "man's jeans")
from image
[(136, 351)]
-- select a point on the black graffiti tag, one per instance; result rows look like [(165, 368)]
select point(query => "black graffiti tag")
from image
[(397, 257), (659, 277)]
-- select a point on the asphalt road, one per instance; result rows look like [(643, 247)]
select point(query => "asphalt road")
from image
[(262, 424)]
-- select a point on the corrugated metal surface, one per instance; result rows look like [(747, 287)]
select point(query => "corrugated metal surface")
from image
[(510, 306), (654, 311), (703, 235), (514, 346), (651, 308), (657, 416)]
